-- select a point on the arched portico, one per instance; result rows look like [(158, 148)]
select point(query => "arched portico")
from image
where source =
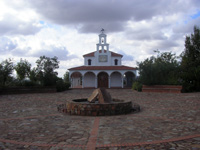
[(89, 80), (102, 78), (116, 80), (76, 80), (128, 79)]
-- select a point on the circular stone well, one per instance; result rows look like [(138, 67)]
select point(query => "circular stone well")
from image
[(84, 108), (100, 103)]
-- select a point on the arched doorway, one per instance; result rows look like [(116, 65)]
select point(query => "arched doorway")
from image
[(103, 80), (128, 79), (89, 80), (116, 80), (76, 81)]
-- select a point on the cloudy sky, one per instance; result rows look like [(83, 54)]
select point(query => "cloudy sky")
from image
[(69, 29)]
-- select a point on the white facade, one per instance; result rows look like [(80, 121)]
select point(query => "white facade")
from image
[(102, 68)]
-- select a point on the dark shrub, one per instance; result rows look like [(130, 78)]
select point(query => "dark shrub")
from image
[(137, 86), (62, 86)]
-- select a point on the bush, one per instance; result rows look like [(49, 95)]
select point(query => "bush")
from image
[(29, 83), (24, 83), (62, 86), (67, 85), (137, 86), (188, 87)]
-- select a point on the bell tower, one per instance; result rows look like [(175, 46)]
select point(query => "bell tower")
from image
[(102, 46)]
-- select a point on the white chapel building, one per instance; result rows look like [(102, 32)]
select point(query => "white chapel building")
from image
[(102, 68)]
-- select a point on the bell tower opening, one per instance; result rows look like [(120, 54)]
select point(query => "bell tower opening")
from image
[(102, 41), (102, 46)]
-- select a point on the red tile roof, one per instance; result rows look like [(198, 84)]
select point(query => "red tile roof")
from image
[(112, 54), (103, 68)]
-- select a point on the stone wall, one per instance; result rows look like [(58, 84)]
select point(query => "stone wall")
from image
[(93, 109), (162, 88), (25, 90)]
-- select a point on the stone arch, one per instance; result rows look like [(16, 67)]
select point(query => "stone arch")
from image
[(129, 77), (103, 79), (89, 80), (76, 80), (116, 79)]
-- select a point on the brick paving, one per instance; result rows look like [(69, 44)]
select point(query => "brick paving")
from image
[(166, 121)]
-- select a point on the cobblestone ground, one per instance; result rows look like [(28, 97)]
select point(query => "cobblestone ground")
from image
[(166, 121)]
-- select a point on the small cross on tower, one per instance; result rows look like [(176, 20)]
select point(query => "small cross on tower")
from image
[(102, 30)]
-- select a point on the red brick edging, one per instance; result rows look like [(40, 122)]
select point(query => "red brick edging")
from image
[(91, 145), (162, 88)]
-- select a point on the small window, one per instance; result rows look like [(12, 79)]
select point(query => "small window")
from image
[(89, 62), (116, 62)]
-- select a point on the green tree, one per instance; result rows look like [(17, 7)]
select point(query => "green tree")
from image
[(190, 63), (23, 69), (46, 73), (162, 69), (146, 71), (33, 75), (66, 77), (67, 80), (6, 70)]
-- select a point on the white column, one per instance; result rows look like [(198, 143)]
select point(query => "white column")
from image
[(96, 81), (82, 81), (97, 47), (122, 81), (71, 80), (102, 49), (109, 82)]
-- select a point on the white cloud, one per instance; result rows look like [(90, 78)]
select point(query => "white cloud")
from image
[(51, 51), (16, 18), (69, 29)]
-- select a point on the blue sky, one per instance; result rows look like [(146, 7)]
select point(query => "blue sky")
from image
[(70, 28), (196, 15)]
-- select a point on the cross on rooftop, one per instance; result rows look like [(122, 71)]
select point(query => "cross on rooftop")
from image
[(102, 30)]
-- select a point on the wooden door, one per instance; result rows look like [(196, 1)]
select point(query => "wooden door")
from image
[(103, 80)]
